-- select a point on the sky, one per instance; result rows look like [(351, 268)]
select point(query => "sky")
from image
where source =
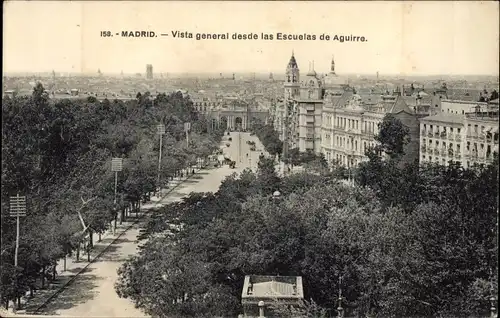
[(405, 38)]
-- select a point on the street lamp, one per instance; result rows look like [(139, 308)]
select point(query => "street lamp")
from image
[(116, 166), (160, 130), (340, 310)]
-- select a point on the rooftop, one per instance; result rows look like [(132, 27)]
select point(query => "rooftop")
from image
[(257, 287), (445, 118)]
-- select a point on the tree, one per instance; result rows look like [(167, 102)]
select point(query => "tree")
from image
[(393, 136)]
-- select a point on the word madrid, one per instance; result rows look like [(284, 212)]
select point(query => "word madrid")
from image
[(266, 36)]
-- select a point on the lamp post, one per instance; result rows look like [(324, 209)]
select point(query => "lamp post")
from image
[(116, 166), (340, 310), (160, 130), (187, 128)]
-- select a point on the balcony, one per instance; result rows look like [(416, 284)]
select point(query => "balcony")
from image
[(423, 132), (436, 152), (450, 153), (458, 137), (473, 136), (444, 153), (430, 134), (423, 149), (437, 134), (451, 136), (442, 135)]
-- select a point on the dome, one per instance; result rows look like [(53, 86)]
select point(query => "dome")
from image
[(332, 80), (311, 73)]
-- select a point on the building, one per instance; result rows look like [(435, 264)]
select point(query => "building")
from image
[(260, 293), (350, 126), (149, 71), (322, 114), (471, 138)]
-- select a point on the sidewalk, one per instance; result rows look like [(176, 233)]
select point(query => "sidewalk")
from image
[(73, 268)]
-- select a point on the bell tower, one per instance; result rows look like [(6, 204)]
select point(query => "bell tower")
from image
[(292, 77)]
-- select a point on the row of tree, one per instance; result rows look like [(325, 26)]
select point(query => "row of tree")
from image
[(407, 241), (58, 154), (268, 137)]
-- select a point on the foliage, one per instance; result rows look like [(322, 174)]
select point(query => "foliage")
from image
[(392, 137), (58, 153), (413, 245), (268, 137)]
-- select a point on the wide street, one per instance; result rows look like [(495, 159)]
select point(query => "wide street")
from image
[(92, 294)]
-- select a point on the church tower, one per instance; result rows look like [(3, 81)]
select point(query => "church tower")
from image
[(332, 68), (292, 76)]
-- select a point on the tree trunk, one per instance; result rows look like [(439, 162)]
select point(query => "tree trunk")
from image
[(43, 277), (91, 238), (122, 219), (18, 302), (114, 228), (54, 271), (99, 237), (6, 305), (31, 291), (64, 262), (78, 252)]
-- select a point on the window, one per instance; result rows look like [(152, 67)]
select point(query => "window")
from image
[(458, 130)]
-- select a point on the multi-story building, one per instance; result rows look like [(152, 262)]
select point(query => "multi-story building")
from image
[(351, 127), (471, 138), (309, 109), (328, 117)]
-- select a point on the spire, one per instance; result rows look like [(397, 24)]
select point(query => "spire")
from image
[(292, 63), (333, 64)]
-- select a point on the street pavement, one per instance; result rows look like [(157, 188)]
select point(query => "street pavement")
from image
[(91, 292)]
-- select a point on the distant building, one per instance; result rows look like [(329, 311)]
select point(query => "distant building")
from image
[(10, 93), (260, 293), (149, 71), (471, 138)]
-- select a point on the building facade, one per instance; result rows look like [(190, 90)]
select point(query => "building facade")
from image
[(468, 139), (326, 116)]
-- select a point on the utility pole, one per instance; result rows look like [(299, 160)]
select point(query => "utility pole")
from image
[(160, 131), (116, 166), (17, 210)]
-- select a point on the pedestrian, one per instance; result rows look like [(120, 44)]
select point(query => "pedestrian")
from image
[(192, 172)]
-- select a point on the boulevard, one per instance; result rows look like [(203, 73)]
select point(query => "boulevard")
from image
[(92, 293)]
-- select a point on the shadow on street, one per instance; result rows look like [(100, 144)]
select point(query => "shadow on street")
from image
[(113, 253), (79, 291)]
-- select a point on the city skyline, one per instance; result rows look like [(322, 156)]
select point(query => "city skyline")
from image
[(461, 40)]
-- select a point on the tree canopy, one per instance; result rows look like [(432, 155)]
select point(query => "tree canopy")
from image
[(417, 252), (58, 153)]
